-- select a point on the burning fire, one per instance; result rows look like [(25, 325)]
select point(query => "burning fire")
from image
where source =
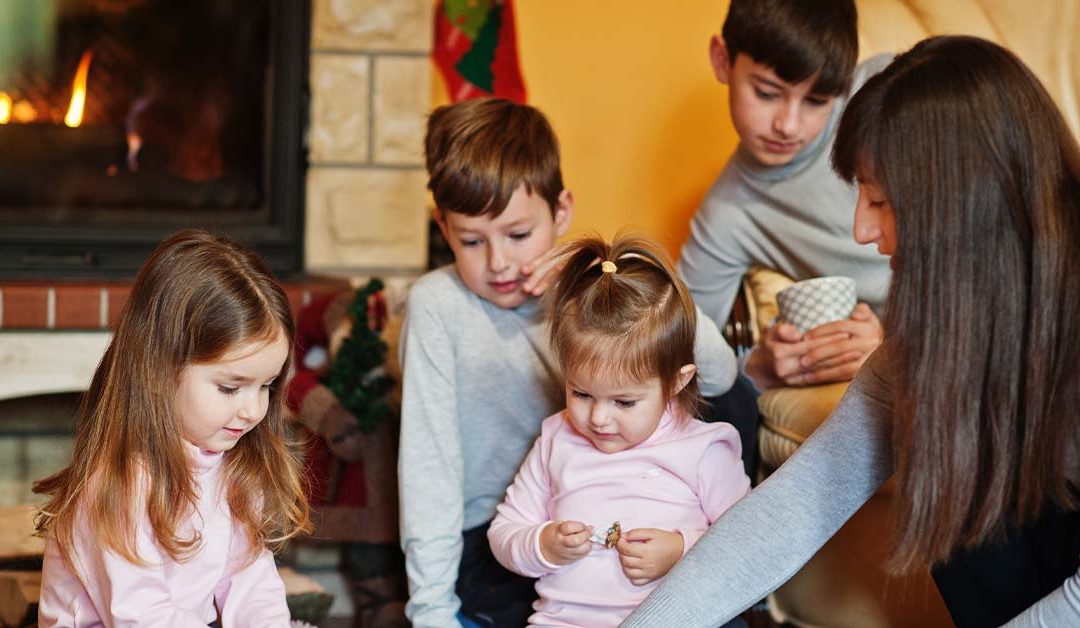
[(78, 92), (5, 108)]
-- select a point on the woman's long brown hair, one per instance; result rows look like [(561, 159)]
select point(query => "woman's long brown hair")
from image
[(983, 317), (195, 298)]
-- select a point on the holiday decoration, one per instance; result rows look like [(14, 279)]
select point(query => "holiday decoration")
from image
[(357, 376), (476, 49)]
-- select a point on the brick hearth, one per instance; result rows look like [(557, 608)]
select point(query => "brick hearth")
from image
[(83, 305)]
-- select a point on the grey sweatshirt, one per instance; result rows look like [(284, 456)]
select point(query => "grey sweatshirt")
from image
[(764, 539), (796, 218), (478, 382)]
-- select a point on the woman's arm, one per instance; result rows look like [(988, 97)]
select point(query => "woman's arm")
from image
[(766, 537), (1060, 608)]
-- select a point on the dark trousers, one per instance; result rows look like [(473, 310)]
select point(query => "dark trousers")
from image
[(738, 406), (490, 595), (990, 584)]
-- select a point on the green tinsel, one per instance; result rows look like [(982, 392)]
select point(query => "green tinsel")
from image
[(357, 376)]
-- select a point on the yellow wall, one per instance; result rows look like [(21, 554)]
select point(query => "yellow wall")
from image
[(627, 85)]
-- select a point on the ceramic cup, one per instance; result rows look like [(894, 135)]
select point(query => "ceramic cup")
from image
[(807, 304)]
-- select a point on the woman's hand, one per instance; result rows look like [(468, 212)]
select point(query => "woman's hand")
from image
[(647, 553), (563, 542)]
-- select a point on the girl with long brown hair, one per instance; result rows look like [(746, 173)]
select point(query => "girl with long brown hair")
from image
[(626, 453), (969, 179), (181, 472)]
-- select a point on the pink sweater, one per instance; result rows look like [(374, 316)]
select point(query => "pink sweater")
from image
[(679, 479), (103, 589)]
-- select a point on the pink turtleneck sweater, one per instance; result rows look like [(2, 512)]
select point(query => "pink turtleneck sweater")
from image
[(100, 588), (681, 479)]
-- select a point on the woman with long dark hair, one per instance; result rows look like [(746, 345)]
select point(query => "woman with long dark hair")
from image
[(969, 180)]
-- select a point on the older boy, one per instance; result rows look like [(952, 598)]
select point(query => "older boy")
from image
[(789, 66), (479, 376)]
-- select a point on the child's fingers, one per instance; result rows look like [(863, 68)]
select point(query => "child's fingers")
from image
[(572, 527), (640, 534), (636, 575), (629, 549), (631, 562), (567, 528)]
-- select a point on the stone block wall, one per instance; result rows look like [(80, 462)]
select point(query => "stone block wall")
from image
[(367, 208)]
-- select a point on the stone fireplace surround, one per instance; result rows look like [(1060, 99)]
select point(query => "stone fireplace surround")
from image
[(366, 209)]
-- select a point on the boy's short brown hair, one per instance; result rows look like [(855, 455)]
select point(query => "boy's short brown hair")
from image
[(797, 39), (479, 151)]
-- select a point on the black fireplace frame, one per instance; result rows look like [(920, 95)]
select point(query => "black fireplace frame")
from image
[(115, 251)]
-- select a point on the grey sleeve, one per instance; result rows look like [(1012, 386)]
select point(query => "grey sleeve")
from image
[(765, 538), (711, 263), (430, 467), (717, 367), (1060, 608)]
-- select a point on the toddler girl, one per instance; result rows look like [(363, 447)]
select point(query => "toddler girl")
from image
[(181, 473), (627, 448)]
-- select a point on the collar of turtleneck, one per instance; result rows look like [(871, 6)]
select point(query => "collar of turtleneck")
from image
[(202, 460), (530, 308)]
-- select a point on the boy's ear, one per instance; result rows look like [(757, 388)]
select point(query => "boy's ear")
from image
[(564, 211), (440, 220), (719, 58), (686, 373)]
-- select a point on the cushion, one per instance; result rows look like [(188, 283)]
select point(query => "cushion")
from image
[(790, 416)]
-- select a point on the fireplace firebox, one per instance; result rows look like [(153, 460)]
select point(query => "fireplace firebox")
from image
[(122, 121)]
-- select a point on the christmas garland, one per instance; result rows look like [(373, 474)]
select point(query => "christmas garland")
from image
[(358, 376)]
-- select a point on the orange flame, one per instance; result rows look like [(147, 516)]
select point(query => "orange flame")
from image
[(78, 92), (5, 108)]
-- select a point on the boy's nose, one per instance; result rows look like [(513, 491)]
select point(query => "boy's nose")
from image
[(786, 121), (497, 259)]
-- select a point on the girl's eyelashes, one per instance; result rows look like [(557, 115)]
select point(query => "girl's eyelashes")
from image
[(232, 390), (626, 403), (580, 395)]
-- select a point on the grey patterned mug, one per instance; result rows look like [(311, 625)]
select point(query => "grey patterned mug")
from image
[(807, 304)]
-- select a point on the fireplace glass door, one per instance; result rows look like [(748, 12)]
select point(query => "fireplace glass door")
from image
[(124, 120)]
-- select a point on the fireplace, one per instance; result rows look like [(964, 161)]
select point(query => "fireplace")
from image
[(122, 121)]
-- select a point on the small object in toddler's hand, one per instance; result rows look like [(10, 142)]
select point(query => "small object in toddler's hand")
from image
[(607, 538)]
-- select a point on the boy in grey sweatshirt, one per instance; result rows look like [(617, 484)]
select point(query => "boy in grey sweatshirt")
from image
[(790, 67)]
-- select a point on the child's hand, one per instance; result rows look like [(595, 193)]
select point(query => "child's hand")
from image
[(647, 553), (544, 271), (563, 542)]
